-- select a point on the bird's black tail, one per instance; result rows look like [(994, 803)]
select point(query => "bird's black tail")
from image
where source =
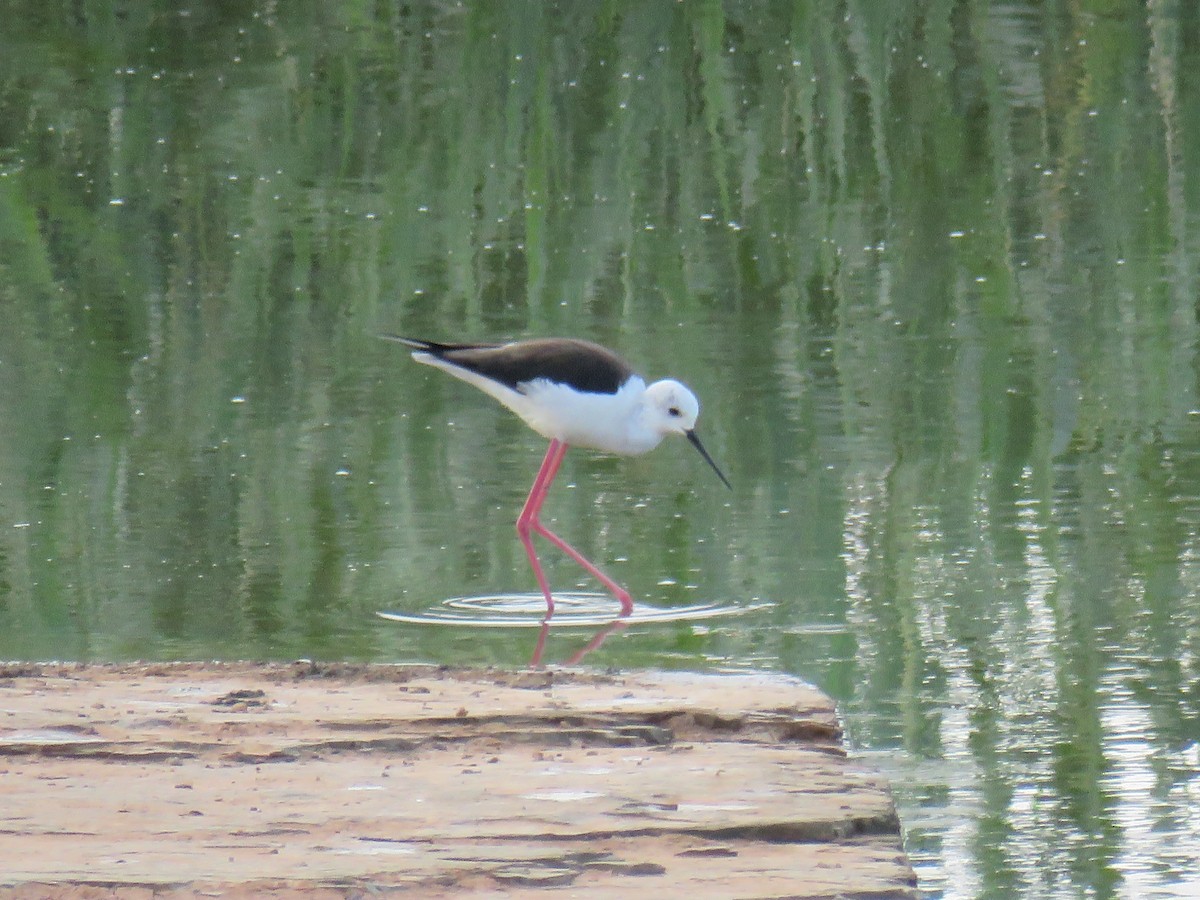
[(433, 347)]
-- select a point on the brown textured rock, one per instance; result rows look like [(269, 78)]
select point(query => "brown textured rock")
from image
[(325, 781)]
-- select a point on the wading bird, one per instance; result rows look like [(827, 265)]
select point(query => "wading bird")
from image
[(573, 393)]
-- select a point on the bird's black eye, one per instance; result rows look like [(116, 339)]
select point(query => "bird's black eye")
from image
[(674, 411)]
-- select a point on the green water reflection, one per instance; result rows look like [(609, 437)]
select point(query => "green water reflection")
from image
[(928, 265)]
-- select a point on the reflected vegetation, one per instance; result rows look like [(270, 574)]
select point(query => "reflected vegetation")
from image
[(928, 265)]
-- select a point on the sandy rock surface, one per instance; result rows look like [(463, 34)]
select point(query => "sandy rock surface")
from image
[(308, 780)]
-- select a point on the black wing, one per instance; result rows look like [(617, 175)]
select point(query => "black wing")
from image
[(582, 365)]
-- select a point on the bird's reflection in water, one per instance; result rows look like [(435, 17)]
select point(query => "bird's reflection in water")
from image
[(602, 635)]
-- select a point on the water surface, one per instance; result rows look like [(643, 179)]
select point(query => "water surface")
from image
[(928, 266)]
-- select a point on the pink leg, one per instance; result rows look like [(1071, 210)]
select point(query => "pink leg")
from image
[(529, 513), (528, 521)]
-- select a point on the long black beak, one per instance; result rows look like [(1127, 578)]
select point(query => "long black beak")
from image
[(694, 438)]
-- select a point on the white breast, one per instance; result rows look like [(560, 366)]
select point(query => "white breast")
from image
[(608, 422)]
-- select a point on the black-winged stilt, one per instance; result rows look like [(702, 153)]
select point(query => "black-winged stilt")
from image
[(573, 393)]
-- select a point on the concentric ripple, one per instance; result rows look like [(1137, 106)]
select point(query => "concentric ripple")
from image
[(570, 610)]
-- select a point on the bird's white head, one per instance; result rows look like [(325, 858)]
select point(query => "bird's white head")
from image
[(671, 408)]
